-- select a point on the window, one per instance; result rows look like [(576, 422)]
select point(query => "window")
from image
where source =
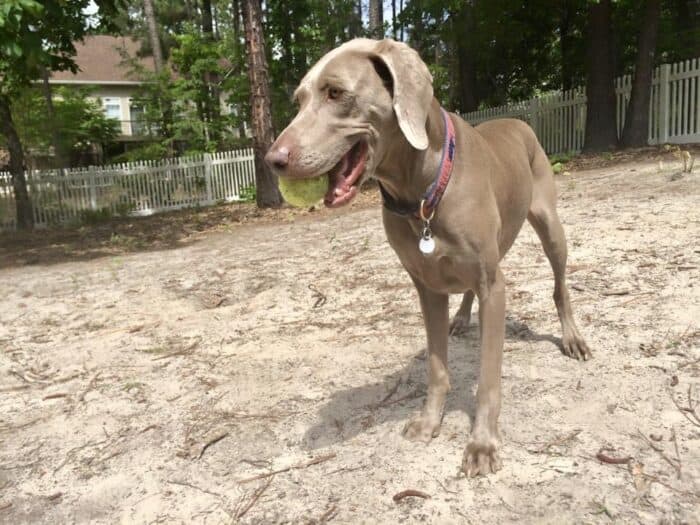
[(138, 126), (112, 107)]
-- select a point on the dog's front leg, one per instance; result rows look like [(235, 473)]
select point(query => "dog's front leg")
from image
[(481, 455), (426, 425)]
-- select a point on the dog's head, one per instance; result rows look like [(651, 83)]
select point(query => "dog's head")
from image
[(353, 97)]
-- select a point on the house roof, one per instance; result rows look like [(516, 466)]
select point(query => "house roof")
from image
[(100, 59)]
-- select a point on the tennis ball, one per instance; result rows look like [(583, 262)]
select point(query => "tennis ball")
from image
[(303, 193)]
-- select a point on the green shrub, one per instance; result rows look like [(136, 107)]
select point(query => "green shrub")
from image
[(247, 194)]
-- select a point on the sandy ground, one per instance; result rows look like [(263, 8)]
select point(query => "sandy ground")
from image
[(166, 385)]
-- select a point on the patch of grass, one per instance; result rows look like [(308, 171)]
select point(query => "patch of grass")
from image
[(561, 158), (153, 350), (125, 242), (93, 217), (247, 194), (132, 385), (600, 508)]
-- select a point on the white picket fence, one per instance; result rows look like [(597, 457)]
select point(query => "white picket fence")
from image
[(559, 119), (135, 188)]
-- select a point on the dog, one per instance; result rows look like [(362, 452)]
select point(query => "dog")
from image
[(455, 198)]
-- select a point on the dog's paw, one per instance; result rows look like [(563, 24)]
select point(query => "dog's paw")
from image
[(459, 326), (574, 346), (421, 428), (481, 458)]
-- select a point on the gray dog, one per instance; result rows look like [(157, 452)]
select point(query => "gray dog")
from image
[(455, 198)]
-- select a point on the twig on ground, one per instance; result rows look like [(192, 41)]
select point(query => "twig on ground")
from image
[(315, 461), (247, 415), (389, 394), (4, 506), (411, 395), (637, 297), (89, 387), (72, 451), (185, 484), (183, 351), (54, 496), (139, 327), (410, 493), (149, 427), (111, 455), (13, 388), (64, 379), (694, 418), (258, 463), (320, 297), (345, 469), (558, 441), (26, 379), (329, 514), (658, 449), (678, 454), (253, 499), (54, 396), (218, 437), (442, 485), (615, 292), (604, 458)]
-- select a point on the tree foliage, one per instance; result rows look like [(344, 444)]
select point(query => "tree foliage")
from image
[(80, 118)]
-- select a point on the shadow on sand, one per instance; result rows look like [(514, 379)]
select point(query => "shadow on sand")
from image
[(397, 396)]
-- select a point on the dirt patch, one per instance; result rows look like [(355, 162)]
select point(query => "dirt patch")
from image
[(263, 373)]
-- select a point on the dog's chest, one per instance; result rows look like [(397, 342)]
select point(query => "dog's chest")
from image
[(449, 269)]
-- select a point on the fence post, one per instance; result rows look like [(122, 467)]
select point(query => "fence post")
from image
[(93, 190), (207, 176), (664, 102), (534, 114)]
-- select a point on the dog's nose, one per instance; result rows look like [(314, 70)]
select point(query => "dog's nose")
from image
[(278, 158)]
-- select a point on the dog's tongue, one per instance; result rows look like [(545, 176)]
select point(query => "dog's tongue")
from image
[(342, 179)]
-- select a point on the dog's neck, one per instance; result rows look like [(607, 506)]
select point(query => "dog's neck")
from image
[(405, 172)]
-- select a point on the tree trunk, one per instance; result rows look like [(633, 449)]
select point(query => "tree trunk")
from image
[(25, 217), (467, 94), (211, 78), (355, 25), (566, 44), (687, 17), (636, 130), (238, 49), (393, 19), (158, 62), (601, 132), (401, 35), (59, 158), (376, 18), (267, 192), (153, 34)]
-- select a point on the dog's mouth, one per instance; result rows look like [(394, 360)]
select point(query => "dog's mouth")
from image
[(344, 178)]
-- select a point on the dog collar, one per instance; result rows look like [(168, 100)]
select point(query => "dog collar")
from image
[(425, 209)]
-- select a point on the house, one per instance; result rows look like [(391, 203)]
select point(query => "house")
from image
[(102, 66)]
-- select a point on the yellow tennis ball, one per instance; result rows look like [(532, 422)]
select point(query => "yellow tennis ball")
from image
[(303, 193)]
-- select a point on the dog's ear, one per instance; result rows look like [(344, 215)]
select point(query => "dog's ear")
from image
[(412, 89)]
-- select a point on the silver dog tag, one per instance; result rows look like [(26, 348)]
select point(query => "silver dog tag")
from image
[(426, 244)]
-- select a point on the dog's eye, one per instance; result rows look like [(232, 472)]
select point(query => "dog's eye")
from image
[(334, 93)]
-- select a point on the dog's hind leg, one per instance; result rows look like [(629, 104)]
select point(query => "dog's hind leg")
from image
[(426, 424), (544, 219), (460, 322)]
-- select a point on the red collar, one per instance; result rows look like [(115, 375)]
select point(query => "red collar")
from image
[(431, 198)]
